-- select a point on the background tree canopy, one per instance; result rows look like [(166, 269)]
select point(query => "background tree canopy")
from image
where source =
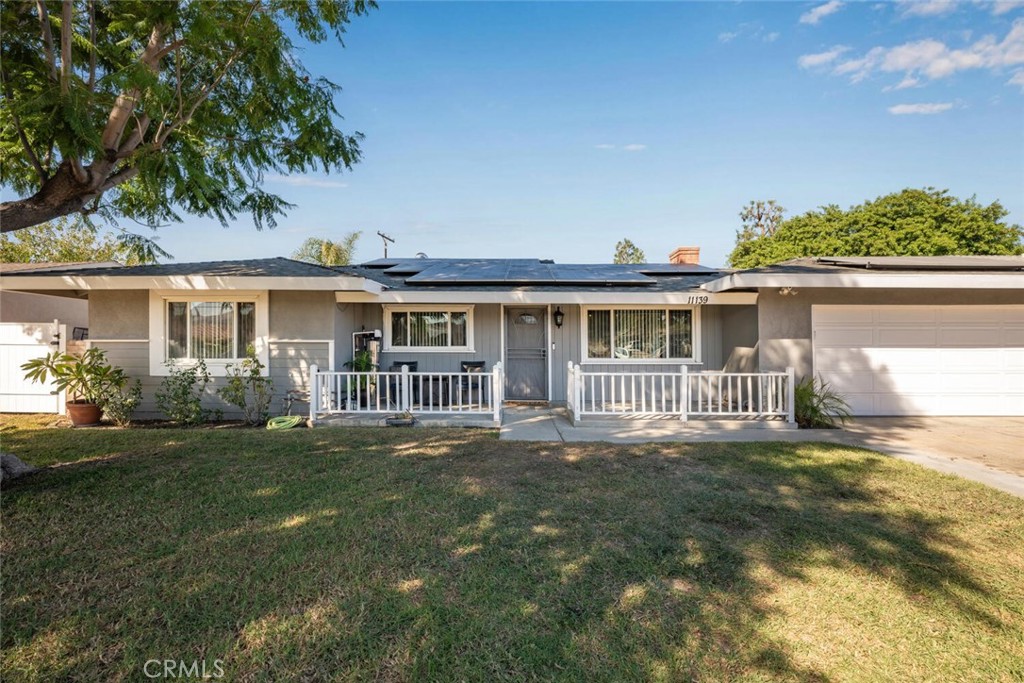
[(67, 240), (627, 252), (328, 253), (147, 109), (926, 222)]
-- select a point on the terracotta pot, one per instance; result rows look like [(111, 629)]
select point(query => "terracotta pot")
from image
[(84, 414)]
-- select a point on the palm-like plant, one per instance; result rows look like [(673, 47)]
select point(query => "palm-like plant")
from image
[(818, 405), (87, 378), (328, 253)]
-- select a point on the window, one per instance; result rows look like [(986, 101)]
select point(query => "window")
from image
[(216, 327), (639, 334), (212, 330), (428, 328)]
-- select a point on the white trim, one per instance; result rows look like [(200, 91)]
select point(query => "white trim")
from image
[(470, 346), (118, 341), (190, 282), (875, 280), (547, 350), (218, 368), (567, 298), (696, 359)]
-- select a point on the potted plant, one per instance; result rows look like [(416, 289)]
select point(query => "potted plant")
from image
[(402, 419), (88, 380), (362, 362)]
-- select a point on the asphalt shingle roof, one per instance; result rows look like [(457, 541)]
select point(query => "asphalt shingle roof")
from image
[(268, 267)]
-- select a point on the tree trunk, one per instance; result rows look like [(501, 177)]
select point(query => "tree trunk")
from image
[(60, 195)]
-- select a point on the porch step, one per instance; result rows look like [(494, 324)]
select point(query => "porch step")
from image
[(380, 420), (692, 423)]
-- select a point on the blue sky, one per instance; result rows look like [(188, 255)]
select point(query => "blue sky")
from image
[(553, 130)]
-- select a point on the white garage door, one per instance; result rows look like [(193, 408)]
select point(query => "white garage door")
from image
[(923, 360)]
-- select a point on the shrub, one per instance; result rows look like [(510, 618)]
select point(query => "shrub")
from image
[(120, 405), (818, 406), (245, 382), (180, 396), (87, 378)]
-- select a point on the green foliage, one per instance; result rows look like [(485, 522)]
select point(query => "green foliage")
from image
[(88, 378), (119, 405), (627, 252), (818, 405), (67, 240), (180, 395), (328, 253), (249, 389), (362, 362), (926, 222), (166, 107)]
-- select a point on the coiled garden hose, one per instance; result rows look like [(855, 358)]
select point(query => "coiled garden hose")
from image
[(284, 422)]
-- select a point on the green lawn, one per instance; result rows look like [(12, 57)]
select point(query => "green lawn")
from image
[(412, 555)]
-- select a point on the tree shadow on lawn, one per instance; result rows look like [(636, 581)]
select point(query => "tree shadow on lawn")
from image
[(451, 557)]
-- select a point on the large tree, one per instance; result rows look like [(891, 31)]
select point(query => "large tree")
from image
[(926, 222), (327, 252), (66, 240), (145, 110)]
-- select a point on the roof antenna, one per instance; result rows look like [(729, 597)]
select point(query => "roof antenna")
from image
[(385, 239)]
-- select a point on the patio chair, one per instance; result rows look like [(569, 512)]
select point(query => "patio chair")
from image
[(470, 386), (393, 381)]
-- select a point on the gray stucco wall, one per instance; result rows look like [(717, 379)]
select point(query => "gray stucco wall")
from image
[(119, 314), (124, 315), (784, 322)]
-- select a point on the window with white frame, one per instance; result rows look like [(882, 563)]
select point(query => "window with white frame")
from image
[(211, 330), (428, 328), (218, 328), (639, 334)]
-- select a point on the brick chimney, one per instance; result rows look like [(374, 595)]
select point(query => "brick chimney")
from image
[(681, 255)]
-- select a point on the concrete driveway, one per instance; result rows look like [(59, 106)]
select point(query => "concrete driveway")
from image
[(995, 442)]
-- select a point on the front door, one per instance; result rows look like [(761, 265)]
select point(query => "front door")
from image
[(526, 354)]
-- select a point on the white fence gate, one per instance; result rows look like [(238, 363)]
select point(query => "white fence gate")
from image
[(21, 342)]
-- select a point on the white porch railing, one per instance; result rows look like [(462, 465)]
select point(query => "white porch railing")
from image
[(415, 392), (681, 393)]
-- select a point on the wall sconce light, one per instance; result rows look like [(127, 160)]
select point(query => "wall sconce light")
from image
[(559, 316), (787, 291)]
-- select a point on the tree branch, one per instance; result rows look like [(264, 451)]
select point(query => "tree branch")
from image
[(122, 176), (135, 139), (124, 105), (66, 29), (44, 22)]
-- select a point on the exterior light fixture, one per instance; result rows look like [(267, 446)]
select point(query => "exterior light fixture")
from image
[(559, 316)]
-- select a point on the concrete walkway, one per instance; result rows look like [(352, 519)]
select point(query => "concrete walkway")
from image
[(986, 450)]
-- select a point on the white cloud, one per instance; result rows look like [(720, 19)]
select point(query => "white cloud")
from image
[(604, 145), (771, 37), (727, 37), (1017, 79), (304, 181), (933, 59), (821, 58), (907, 82), (634, 147), (815, 15), (922, 108), (927, 8), (1001, 7)]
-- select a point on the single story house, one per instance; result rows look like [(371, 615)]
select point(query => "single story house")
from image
[(896, 336)]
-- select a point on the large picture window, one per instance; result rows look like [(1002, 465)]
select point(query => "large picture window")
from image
[(639, 334), (211, 330), (428, 329)]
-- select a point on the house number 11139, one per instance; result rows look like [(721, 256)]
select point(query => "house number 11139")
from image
[(697, 300)]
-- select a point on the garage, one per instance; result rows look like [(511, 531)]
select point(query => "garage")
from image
[(923, 360)]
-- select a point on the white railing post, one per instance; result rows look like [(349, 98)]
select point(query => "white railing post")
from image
[(496, 391), (791, 394), (314, 392), (684, 414), (570, 391), (406, 402)]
